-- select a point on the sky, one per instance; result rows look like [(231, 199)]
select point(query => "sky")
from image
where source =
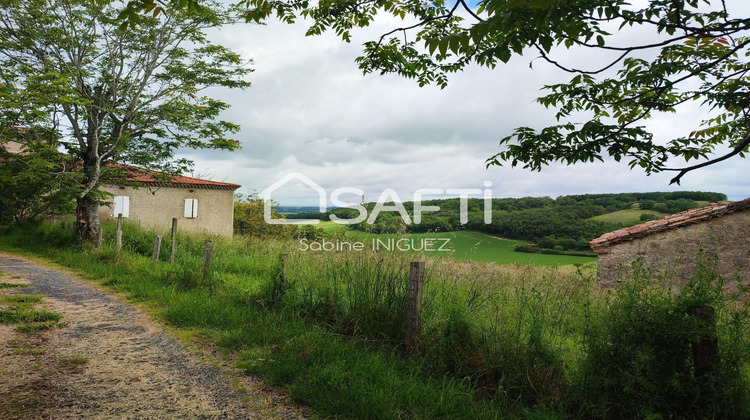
[(310, 110)]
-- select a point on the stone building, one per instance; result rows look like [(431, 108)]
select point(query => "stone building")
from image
[(199, 205), (670, 245)]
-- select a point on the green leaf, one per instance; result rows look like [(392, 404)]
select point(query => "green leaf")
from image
[(443, 45)]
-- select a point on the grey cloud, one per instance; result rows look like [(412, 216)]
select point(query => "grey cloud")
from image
[(311, 110)]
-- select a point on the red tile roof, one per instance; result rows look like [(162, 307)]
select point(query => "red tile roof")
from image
[(602, 244), (163, 179)]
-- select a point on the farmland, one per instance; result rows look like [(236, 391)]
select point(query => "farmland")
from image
[(467, 245), (627, 217)]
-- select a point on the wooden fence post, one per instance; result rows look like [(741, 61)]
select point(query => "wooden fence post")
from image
[(118, 235), (415, 297), (173, 243), (207, 250), (99, 237), (157, 248)]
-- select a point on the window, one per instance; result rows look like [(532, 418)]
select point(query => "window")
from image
[(121, 206), (191, 208)]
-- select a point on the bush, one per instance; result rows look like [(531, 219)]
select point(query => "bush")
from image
[(643, 350), (645, 217)]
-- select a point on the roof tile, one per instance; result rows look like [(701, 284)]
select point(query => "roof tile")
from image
[(163, 179), (602, 244)]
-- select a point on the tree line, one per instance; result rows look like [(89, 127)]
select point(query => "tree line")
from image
[(553, 223)]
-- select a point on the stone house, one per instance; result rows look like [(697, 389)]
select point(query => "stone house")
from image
[(199, 205), (670, 245)]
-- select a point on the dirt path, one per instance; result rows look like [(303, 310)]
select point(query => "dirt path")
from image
[(113, 361)]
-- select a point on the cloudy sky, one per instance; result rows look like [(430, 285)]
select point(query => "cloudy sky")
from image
[(310, 110)]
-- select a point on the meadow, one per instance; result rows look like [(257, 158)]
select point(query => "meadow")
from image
[(627, 217), (498, 341), (467, 245)]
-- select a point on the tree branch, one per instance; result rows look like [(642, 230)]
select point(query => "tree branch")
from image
[(737, 150)]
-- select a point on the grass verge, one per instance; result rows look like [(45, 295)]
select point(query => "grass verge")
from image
[(512, 341)]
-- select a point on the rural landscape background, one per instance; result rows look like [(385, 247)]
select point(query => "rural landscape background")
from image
[(580, 117), (505, 333)]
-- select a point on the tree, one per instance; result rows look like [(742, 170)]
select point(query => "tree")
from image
[(35, 182), (249, 219), (113, 94), (696, 54)]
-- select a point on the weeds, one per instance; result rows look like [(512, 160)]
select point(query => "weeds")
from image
[(4, 285), (21, 311), (28, 316), (75, 360), (498, 341)]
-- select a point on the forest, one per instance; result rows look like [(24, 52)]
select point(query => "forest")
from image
[(562, 223)]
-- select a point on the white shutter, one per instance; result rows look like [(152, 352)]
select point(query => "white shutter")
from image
[(191, 208), (121, 206)]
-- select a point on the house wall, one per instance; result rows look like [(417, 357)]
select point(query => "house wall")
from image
[(674, 251), (156, 206), (12, 147)]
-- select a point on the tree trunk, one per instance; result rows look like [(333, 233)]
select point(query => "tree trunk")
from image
[(87, 220)]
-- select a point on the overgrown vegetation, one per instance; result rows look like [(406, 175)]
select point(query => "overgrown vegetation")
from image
[(498, 341)]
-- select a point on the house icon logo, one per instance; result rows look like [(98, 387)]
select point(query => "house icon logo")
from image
[(267, 193)]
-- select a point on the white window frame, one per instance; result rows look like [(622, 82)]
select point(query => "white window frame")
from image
[(121, 205), (191, 208)]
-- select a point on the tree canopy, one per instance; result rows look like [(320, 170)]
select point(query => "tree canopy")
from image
[(106, 93), (691, 52), (696, 52)]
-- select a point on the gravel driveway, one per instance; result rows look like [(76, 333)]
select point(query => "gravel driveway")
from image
[(113, 361)]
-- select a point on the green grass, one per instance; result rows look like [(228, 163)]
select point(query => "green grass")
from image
[(20, 310), (626, 217), (75, 360), (477, 246), (4, 285), (498, 341), (21, 299), (330, 226), (466, 245), (27, 316), (29, 327)]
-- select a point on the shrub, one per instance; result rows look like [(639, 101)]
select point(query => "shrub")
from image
[(643, 349), (645, 217)]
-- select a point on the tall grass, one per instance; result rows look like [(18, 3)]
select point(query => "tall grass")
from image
[(498, 340)]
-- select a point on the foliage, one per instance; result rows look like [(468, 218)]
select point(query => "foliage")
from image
[(569, 222), (695, 54), (499, 340), (35, 183), (645, 217), (109, 94), (641, 355), (249, 219)]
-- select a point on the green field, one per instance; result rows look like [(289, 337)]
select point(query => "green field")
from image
[(461, 245), (477, 246), (626, 217)]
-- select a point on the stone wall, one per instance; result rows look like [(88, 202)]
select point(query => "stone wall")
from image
[(674, 251), (156, 206)]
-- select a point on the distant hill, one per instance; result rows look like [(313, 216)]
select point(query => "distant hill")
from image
[(286, 210), (565, 223)]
